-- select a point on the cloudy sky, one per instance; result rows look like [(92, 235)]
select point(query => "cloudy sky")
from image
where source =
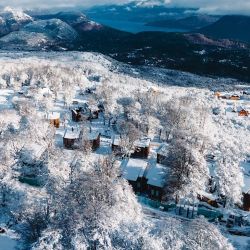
[(212, 6)]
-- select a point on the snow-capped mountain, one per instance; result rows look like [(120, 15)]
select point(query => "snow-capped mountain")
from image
[(12, 20), (40, 34), (75, 19)]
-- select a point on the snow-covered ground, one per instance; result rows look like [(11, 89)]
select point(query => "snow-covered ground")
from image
[(27, 81)]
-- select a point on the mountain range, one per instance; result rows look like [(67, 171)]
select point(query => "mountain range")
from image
[(190, 23), (194, 52), (231, 27)]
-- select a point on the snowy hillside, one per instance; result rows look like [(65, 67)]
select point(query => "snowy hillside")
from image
[(64, 178), (12, 20), (40, 34)]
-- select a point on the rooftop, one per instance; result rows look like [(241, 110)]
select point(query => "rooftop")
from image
[(156, 175), (93, 135), (142, 143), (133, 169), (54, 115), (73, 133), (163, 149)]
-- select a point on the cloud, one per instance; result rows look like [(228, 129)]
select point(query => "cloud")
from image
[(208, 6)]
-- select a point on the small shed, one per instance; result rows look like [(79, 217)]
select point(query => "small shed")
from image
[(235, 97), (80, 115), (156, 176), (142, 148), (133, 172), (217, 94), (116, 144), (71, 136), (94, 111), (54, 118), (162, 154), (243, 112)]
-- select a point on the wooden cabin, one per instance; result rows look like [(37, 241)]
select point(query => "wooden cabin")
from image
[(79, 115), (134, 173), (235, 97), (54, 118), (209, 199), (94, 111), (162, 154), (71, 136), (246, 201), (94, 138), (243, 112), (217, 94), (156, 176), (116, 145), (142, 148), (76, 115)]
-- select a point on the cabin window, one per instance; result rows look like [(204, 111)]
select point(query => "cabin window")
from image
[(138, 184), (157, 193), (152, 192)]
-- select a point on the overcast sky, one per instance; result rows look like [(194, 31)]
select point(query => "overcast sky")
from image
[(212, 6)]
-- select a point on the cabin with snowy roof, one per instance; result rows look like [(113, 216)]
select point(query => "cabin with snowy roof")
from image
[(80, 114), (162, 154), (94, 111), (235, 97), (54, 118), (94, 138), (243, 112), (145, 180), (133, 172), (156, 176), (116, 144), (142, 148), (71, 137)]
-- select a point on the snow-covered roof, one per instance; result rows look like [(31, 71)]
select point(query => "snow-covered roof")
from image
[(93, 135), (163, 149), (72, 133), (54, 115), (142, 143), (156, 175), (134, 168), (116, 140)]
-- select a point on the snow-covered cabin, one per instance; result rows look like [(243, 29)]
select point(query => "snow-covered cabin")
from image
[(54, 118), (243, 112), (142, 148), (94, 111), (156, 176), (133, 172), (116, 144), (80, 114), (94, 138), (162, 153), (235, 97), (71, 136)]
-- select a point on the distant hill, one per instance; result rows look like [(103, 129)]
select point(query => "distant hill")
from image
[(188, 23), (229, 27)]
